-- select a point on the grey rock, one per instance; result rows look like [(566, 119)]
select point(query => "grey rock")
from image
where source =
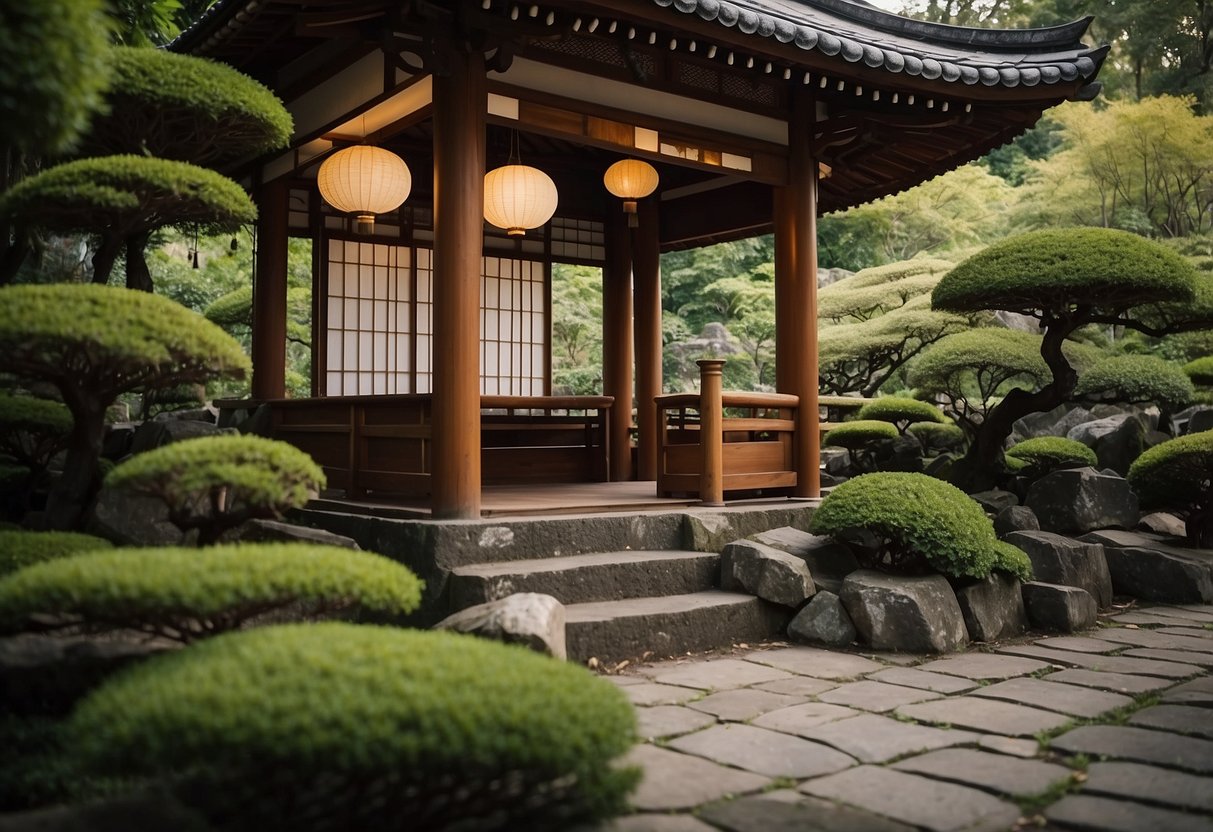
[(206, 413), (1015, 519), (1084, 811), (533, 620), (720, 674), (1200, 420), (1055, 422), (260, 423), (743, 704), (877, 697), (837, 462), (711, 531), (1088, 433), (1182, 719), (118, 439), (917, 614), (1119, 448), (993, 608), (1154, 575), (275, 531), (1079, 500), (1160, 522), (871, 738), (669, 721), (763, 813), (824, 620), (767, 752), (924, 679), (1149, 783), (828, 561), (1072, 700), (1141, 745), (993, 772), (1062, 560), (678, 781), (155, 434), (813, 661), (1056, 608), (983, 666), (770, 574), (940, 466), (995, 500), (988, 715), (132, 520)]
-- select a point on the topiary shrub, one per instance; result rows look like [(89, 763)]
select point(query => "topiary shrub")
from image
[(910, 524), (215, 483), (895, 271), (19, 549), (1042, 454), (32, 431), (1136, 379), (1177, 476), (937, 437), (1200, 371), (860, 438), (188, 594), (338, 726), (1012, 560), (901, 412)]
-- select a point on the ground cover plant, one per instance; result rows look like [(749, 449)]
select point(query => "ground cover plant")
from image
[(339, 726), (860, 438), (21, 547), (1177, 476), (1039, 455)]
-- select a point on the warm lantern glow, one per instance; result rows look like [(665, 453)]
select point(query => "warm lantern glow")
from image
[(630, 180), (364, 181), (518, 197)]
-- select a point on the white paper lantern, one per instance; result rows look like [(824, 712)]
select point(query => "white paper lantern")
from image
[(630, 180), (364, 181), (518, 197)]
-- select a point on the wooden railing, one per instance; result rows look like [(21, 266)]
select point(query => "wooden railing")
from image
[(383, 443)]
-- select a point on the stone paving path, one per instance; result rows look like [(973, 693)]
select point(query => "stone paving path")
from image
[(1110, 730)]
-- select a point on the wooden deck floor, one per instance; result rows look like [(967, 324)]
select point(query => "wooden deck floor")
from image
[(538, 500)]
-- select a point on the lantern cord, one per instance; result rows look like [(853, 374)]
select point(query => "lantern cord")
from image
[(514, 159)]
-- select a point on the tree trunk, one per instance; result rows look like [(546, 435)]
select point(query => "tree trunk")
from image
[(74, 490), (104, 257), (138, 276)]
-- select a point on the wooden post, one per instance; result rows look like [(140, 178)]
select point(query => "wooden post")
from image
[(711, 431), (802, 293), (459, 160), (617, 343), (269, 293), (646, 278), (787, 315)]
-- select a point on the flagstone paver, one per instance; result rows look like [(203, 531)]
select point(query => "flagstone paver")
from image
[(1135, 781), (990, 772), (744, 704), (1156, 639), (800, 718), (798, 686), (876, 739), (679, 781), (658, 823), (811, 661), (721, 674), (984, 666), (1107, 815), (766, 752), (1114, 664), (915, 678), (765, 813), (1182, 719), (1101, 680), (669, 721), (1184, 656), (1011, 746), (876, 696), (1185, 614), (648, 693), (987, 715), (1054, 696), (1081, 644), (937, 806), (1191, 629), (1141, 745), (1195, 692), (1136, 619)]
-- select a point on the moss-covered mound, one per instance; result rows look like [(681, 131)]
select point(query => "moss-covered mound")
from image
[(917, 523), (187, 594), (1012, 560), (901, 411), (937, 437), (1200, 371), (19, 549), (1178, 476), (859, 433), (338, 726), (1042, 454), (1055, 268), (1136, 379), (235, 309), (895, 271)]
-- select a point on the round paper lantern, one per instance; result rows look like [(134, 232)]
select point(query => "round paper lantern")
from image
[(364, 181), (630, 180), (518, 197)]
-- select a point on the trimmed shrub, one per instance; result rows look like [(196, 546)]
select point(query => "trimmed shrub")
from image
[(32, 431), (937, 437), (841, 301), (901, 412), (915, 523), (19, 549), (215, 483), (338, 726), (1042, 454), (1012, 560), (1178, 476), (1136, 379), (860, 438), (1200, 371), (895, 271), (187, 594)]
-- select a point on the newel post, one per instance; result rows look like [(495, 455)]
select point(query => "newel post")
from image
[(711, 431)]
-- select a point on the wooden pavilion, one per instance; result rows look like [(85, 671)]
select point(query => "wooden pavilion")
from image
[(431, 333)]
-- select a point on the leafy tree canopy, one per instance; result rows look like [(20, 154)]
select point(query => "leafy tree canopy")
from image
[(1136, 379)]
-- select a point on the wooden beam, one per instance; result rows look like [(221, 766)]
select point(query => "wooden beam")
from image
[(646, 276), (801, 199), (617, 342), (269, 293)]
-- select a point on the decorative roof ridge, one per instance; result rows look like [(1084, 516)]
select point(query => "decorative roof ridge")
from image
[(203, 26)]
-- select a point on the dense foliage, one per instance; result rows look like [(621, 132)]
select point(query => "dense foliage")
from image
[(901, 412), (32, 432), (188, 594), (22, 548), (937, 437), (1200, 371), (1042, 454), (337, 726), (215, 483), (1177, 476), (1136, 379)]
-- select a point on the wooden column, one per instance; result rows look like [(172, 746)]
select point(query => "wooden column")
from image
[(800, 218), (787, 356), (646, 279), (617, 342), (459, 160), (269, 293), (711, 431)]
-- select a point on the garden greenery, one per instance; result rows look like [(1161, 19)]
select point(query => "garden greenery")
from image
[(1042, 454), (1177, 476), (901, 412), (21, 548), (1136, 379)]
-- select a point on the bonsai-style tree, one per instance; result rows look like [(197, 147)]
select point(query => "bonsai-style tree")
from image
[(1039, 455), (1178, 476), (32, 431), (1200, 371), (215, 483), (860, 438), (843, 300), (1066, 279), (22, 548), (1137, 379), (901, 412), (124, 199), (95, 343)]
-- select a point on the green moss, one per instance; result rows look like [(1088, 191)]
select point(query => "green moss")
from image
[(1178, 476), (1053, 269), (337, 726), (857, 434), (19, 549), (235, 309), (1042, 454), (188, 594), (1200, 371), (1012, 560), (215, 483), (901, 412), (1136, 379), (937, 436)]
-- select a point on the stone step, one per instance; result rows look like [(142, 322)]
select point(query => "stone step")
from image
[(576, 579), (669, 625)]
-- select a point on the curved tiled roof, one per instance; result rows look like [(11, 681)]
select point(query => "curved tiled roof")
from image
[(860, 33)]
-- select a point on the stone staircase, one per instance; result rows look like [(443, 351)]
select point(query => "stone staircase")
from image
[(631, 584)]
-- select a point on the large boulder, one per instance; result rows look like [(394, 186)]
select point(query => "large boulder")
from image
[(913, 615), (1163, 523), (1056, 608), (828, 560), (770, 574), (1119, 448), (1149, 568), (1199, 420), (1088, 433), (160, 432), (527, 618), (1063, 560), (132, 520), (995, 500), (824, 620), (275, 531), (993, 608), (1015, 519), (1055, 422), (1079, 500)]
